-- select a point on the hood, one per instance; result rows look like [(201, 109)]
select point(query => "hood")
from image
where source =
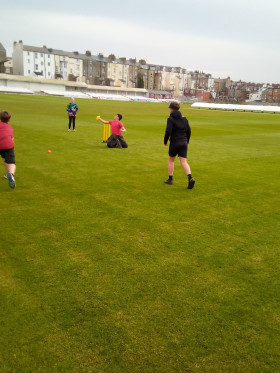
[(176, 114)]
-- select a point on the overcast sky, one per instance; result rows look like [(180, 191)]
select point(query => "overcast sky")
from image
[(236, 38)]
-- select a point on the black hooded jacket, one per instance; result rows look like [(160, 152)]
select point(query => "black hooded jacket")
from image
[(177, 129)]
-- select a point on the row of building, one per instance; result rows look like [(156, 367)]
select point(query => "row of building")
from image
[(160, 81)]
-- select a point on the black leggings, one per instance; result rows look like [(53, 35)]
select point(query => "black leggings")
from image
[(116, 141), (70, 121)]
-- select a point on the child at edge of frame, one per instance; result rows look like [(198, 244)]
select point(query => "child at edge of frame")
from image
[(7, 147)]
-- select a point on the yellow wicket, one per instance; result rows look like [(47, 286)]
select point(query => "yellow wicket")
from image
[(106, 132)]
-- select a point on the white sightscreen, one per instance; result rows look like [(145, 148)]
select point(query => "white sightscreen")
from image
[(205, 105)]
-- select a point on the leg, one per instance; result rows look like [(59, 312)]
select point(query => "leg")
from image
[(70, 121), (185, 165), (171, 165), (171, 160), (187, 169), (10, 167), (9, 160), (112, 143), (74, 119), (123, 142)]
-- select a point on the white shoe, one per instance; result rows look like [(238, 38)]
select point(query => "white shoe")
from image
[(74, 130), (6, 176), (69, 130)]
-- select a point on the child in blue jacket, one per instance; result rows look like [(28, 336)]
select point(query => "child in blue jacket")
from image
[(72, 109)]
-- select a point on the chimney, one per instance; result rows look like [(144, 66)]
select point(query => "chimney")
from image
[(88, 53), (112, 57)]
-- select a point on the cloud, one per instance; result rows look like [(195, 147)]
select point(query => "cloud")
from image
[(226, 38)]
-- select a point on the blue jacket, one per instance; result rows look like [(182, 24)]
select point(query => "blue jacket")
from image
[(71, 112)]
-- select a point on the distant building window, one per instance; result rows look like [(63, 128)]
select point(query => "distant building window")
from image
[(65, 64), (41, 54), (42, 72), (78, 61), (63, 58), (49, 73), (7, 70), (28, 60), (42, 63), (36, 55), (78, 67), (49, 64), (56, 69), (36, 67), (28, 71), (49, 56), (28, 53), (71, 71)]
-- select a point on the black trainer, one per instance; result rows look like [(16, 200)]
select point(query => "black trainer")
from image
[(168, 181), (191, 183)]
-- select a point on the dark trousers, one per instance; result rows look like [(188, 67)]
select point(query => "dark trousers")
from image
[(116, 141), (70, 121)]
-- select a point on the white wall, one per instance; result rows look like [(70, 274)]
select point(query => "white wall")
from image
[(39, 84), (18, 59), (33, 86), (39, 62)]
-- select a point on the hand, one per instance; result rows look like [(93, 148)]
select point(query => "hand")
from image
[(165, 144)]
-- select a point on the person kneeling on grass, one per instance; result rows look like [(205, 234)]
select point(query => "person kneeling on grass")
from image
[(7, 147), (116, 140)]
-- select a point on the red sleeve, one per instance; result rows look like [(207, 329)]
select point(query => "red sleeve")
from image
[(11, 131), (120, 124)]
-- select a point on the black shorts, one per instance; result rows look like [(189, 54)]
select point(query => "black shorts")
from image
[(8, 155), (180, 149)]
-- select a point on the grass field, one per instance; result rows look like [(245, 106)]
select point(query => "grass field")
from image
[(104, 268)]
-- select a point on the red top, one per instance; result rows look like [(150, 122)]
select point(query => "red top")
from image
[(116, 127), (6, 136)]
